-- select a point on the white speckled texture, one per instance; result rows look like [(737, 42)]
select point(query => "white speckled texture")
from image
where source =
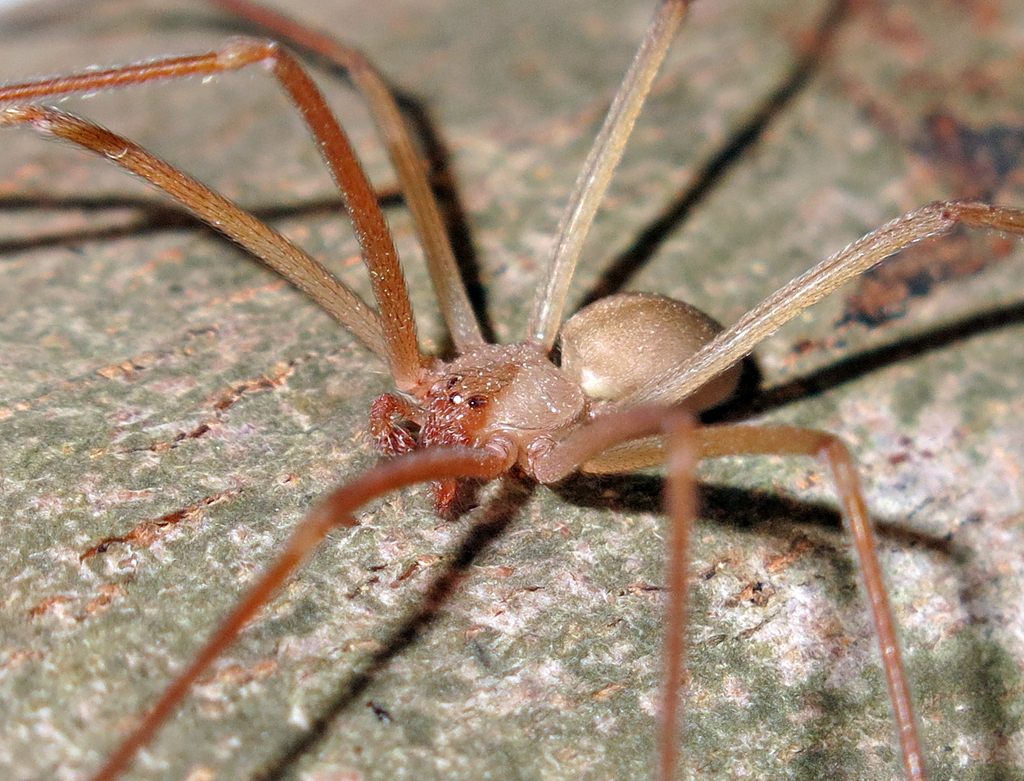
[(117, 340)]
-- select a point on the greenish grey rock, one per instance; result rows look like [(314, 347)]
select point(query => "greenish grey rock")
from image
[(120, 340)]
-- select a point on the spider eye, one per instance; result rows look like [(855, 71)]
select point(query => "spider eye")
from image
[(476, 402)]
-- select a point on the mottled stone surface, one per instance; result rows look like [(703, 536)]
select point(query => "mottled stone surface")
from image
[(151, 372)]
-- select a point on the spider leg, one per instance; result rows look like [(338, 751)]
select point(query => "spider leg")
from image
[(334, 511), (596, 174), (408, 163), (681, 510), (737, 341), (717, 441), (672, 434), (393, 336), (589, 447)]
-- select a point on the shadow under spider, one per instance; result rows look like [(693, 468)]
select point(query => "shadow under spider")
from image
[(852, 367), (499, 513), (649, 241), (149, 217), (740, 508)]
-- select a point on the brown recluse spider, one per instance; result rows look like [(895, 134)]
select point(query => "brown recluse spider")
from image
[(932, 219)]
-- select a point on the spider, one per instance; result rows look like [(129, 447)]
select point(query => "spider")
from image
[(194, 337)]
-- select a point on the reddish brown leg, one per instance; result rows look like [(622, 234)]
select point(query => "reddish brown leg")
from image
[(611, 434), (681, 509), (673, 435), (716, 441), (400, 345), (408, 163), (334, 511)]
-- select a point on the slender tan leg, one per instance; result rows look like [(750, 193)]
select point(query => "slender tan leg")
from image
[(596, 174), (717, 441), (401, 349), (737, 341), (675, 433), (412, 174), (610, 434), (681, 510), (262, 241)]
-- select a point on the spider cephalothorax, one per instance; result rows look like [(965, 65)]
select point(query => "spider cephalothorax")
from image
[(508, 398)]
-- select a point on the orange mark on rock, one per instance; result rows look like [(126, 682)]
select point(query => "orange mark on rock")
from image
[(147, 532)]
